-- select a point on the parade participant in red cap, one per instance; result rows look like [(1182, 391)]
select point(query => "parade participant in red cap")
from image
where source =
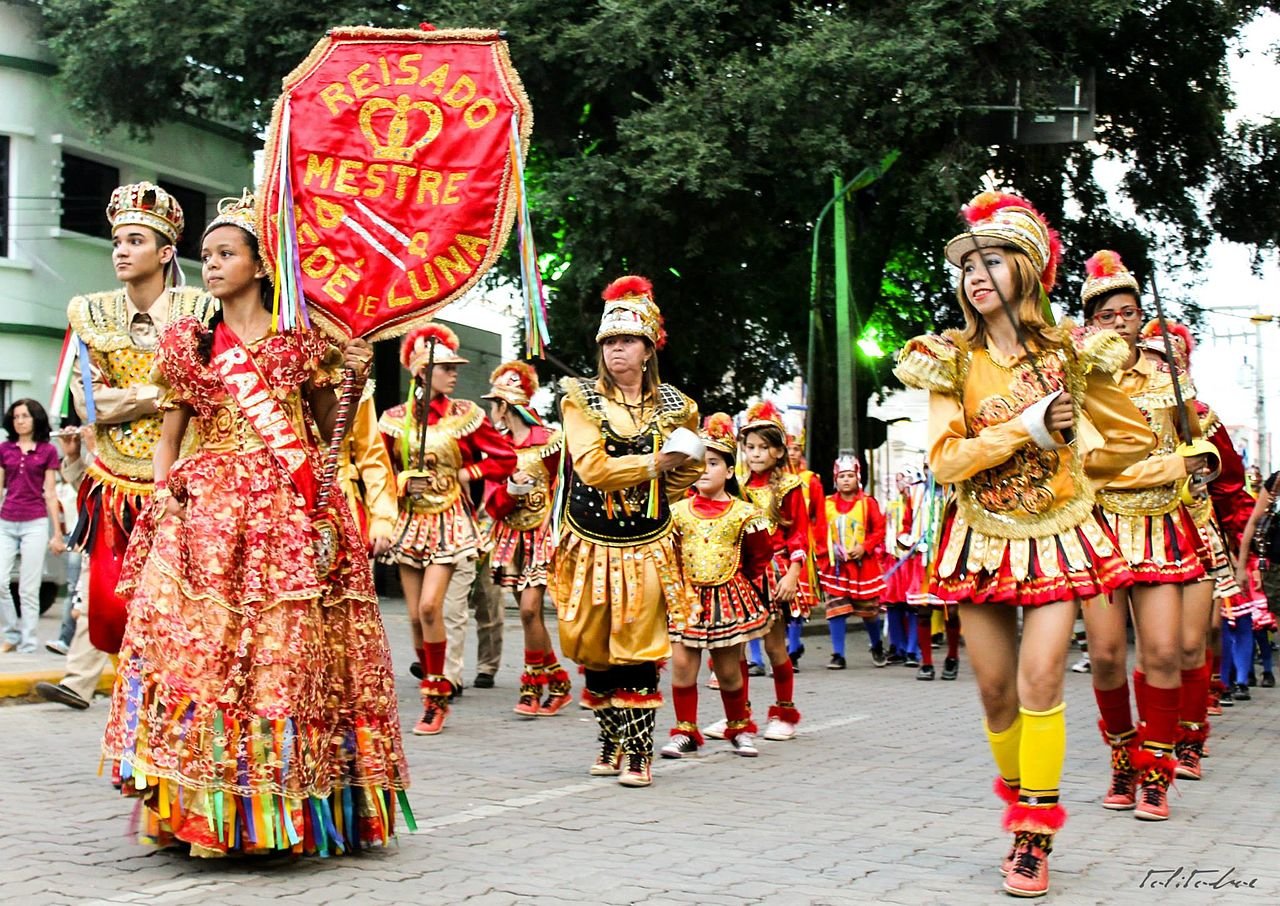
[(852, 577)]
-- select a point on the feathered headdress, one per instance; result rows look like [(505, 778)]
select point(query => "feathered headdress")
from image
[(415, 348), (1105, 273), (515, 383), (1180, 339), (629, 310), (761, 414), (1005, 220), (717, 433)]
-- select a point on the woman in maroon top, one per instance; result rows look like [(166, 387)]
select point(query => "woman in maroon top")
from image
[(30, 506)]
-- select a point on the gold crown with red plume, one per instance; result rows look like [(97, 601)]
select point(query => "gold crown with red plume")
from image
[(630, 311), (717, 433), (1005, 220), (515, 382), (416, 351), (146, 204), (1106, 273), (762, 414)]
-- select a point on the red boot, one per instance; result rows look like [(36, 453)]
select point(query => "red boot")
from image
[(1190, 749), (1122, 794), (1156, 770), (1033, 828)]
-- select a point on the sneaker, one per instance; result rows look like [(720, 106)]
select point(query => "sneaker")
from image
[(1224, 700), (1122, 795), (1007, 865), (837, 662), (555, 703), (609, 762), (714, 682), (415, 669), (432, 721), (679, 746), (779, 730), (57, 646), (56, 692), (911, 660), (455, 690), (638, 772), (754, 669), (795, 658), (716, 730), (1082, 665), (1268, 680), (951, 668), (1253, 679), (528, 705), (1240, 692), (1029, 874), (1153, 803), (936, 640), (1214, 709), (483, 681), (744, 744), (877, 657), (925, 673), (895, 657), (1189, 763)]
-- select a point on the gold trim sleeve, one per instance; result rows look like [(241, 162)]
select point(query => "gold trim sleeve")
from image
[(930, 362)]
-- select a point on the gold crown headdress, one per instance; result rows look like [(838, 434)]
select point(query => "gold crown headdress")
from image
[(630, 311), (146, 204), (236, 212), (1106, 273), (717, 433), (1004, 220)]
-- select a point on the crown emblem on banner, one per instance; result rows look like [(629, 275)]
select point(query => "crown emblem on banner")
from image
[(393, 144)]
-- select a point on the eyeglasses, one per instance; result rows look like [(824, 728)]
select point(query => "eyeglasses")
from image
[(1110, 316)]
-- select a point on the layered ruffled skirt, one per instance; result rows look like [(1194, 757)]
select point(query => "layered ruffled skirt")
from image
[(731, 614), (254, 707), (1160, 550), (1078, 563), (520, 559), (801, 605), (853, 587), (422, 539)]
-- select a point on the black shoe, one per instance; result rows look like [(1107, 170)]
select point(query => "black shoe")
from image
[(754, 669), (911, 661), (455, 690), (1268, 680), (837, 662), (795, 658), (950, 668), (62, 695), (415, 669), (1240, 692), (877, 656), (483, 681), (894, 658), (1253, 679), (937, 639), (925, 673)]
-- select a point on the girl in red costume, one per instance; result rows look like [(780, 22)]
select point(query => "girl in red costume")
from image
[(522, 542), (725, 546), (1022, 532), (435, 465), (1162, 545), (254, 708), (853, 578)]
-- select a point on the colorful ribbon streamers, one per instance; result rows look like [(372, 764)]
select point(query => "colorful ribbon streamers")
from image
[(536, 333)]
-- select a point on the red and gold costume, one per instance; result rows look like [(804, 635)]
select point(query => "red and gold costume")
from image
[(274, 726), (853, 585), (438, 526), (365, 473), (1157, 534), (616, 574), (1023, 528), (815, 502), (121, 343), (521, 541)]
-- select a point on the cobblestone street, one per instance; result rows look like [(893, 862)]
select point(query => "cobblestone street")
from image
[(884, 797)]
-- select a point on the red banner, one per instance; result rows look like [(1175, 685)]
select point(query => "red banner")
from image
[(397, 150)]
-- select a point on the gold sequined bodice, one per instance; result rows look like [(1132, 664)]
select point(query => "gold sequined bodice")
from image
[(436, 453), (532, 508), (711, 547)]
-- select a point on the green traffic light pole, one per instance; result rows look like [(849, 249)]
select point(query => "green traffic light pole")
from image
[(846, 376)]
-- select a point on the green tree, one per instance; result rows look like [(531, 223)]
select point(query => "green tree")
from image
[(694, 141)]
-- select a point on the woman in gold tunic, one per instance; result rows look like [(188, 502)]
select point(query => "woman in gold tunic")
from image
[(1022, 532), (616, 572)]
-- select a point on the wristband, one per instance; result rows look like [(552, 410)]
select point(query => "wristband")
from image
[(1033, 421)]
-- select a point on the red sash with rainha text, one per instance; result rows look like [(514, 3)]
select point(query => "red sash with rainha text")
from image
[(233, 363)]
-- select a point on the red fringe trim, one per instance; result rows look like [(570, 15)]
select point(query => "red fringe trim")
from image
[(1004, 792), (534, 679), (1196, 734), (435, 687), (1165, 764), (790, 715), (594, 701), (731, 732), (629, 698), (1034, 819)]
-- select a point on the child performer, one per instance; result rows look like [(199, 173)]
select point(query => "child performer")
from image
[(853, 579), (776, 493), (522, 542), (725, 546), (1022, 532), (1159, 540), (816, 508)]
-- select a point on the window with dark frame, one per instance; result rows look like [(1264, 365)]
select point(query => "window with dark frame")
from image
[(4, 196), (86, 189), (195, 205)]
